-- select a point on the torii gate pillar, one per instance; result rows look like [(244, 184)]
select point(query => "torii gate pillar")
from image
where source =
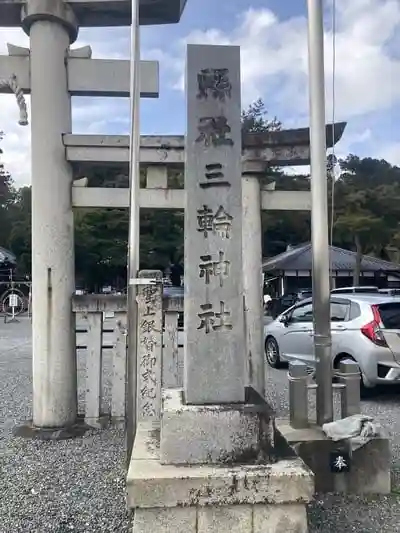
[(52, 27), (252, 273)]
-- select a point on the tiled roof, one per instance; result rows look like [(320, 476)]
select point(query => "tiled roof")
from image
[(299, 258)]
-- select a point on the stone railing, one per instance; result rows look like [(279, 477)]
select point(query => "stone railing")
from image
[(102, 353)]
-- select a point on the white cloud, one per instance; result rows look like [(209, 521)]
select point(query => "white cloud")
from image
[(274, 66), (274, 53), (391, 153), (16, 143), (89, 115)]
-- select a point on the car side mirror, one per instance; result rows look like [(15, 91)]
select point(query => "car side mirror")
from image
[(284, 319)]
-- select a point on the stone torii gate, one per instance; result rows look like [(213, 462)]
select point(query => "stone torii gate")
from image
[(51, 72), (159, 153)]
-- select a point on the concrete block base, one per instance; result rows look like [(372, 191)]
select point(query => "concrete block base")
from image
[(257, 498), (29, 431), (214, 434), (370, 465), (228, 519)]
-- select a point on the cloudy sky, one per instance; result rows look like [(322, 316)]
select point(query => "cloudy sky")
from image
[(272, 36)]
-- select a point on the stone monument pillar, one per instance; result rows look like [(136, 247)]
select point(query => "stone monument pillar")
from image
[(214, 321), (51, 27), (210, 465)]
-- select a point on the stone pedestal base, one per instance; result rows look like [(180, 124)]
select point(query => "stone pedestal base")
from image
[(369, 469), (214, 434), (263, 498)]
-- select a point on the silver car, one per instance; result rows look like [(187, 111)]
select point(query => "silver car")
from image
[(365, 328)]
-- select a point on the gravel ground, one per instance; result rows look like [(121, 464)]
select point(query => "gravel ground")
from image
[(78, 485), (73, 485)]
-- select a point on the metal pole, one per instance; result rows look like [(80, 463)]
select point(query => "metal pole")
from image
[(319, 213), (134, 229)]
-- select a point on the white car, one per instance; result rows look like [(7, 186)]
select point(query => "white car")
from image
[(364, 327)]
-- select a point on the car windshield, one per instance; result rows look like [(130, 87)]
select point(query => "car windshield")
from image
[(306, 294), (288, 299)]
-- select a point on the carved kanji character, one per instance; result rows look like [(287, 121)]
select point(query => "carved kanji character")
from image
[(222, 316), (205, 220), (222, 223), (207, 317), (147, 326), (147, 391), (209, 268), (214, 131), (214, 177), (214, 81)]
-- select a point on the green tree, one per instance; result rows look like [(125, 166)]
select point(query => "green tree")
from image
[(19, 239), (101, 247), (367, 207), (255, 119), (101, 236), (7, 196)]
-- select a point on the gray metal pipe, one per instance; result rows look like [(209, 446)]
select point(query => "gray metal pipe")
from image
[(134, 229), (319, 213)]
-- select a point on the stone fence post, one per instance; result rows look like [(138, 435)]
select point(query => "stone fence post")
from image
[(349, 376), (170, 374), (298, 395)]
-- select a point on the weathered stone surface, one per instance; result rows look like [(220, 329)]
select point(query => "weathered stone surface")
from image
[(212, 434), (170, 149), (226, 519), (153, 485), (177, 520), (280, 519), (118, 393), (370, 465), (290, 518), (147, 442), (42, 10), (176, 198), (214, 321), (170, 373), (370, 473), (98, 303)]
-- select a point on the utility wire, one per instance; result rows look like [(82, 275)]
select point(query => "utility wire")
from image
[(334, 161)]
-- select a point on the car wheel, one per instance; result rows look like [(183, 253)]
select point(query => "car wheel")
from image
[(272, 352)]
